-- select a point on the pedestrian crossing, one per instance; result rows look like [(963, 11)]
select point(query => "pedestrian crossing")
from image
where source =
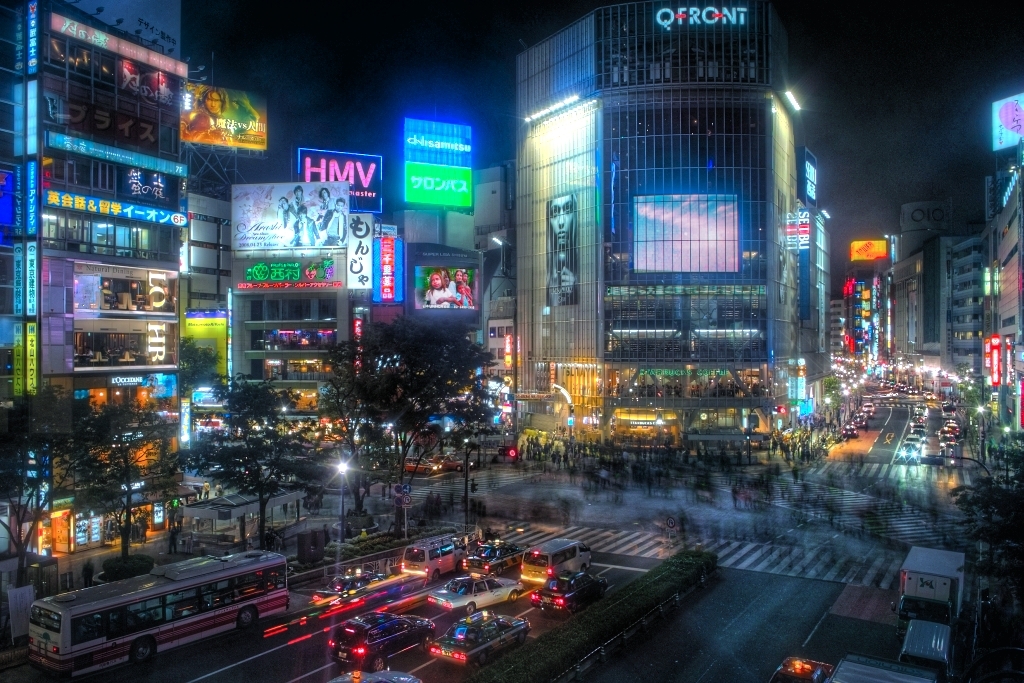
[(827, 563), (455, 486), (859, 512), (819, 562), (927, 474), (616, 541)]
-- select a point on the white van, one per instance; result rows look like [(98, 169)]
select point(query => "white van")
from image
[(551, 558), (929, 645), (434, 556)]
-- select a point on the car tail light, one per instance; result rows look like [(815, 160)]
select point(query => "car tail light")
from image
[(403, 566), (435, 650), (55, 650), (559, 601), (31, 640), (487, 567), (534, 597), (465, 563), (551, 571), (360, 650), (330, 643), (317, 597)]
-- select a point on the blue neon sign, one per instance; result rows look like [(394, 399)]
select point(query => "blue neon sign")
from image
[(107, 207), (434, 142), (33, 37), (115, 155), (32, 197)]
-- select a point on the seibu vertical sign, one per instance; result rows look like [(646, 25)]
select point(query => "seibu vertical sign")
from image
[(361, 171)]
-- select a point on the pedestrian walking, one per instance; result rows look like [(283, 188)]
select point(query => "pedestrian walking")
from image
[(206, 490), (188, 543), (87, 572), (220, 490), (143, 528), (173, 542)]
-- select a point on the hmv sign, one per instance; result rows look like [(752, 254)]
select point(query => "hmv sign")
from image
[(701, 16), (362, 171)]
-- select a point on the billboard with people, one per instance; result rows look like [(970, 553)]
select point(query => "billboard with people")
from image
[(223, 117), (443, 283), (289, 216)]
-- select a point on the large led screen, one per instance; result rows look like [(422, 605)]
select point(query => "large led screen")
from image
[(289, 216), (686, 233), (442, 287), (223, 117), (869, 250), (1007, 122), (438, 163)]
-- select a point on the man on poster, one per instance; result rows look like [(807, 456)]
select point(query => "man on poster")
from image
[(563, 257)]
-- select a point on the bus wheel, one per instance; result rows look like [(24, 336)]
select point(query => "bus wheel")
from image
[(247, 617), (142, 650)]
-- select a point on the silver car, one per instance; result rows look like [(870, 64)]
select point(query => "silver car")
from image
[(475, 592)]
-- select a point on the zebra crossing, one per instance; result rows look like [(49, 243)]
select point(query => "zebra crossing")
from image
[(456, 486), (854, 510), (825, 563), (616, 541), (948, 477)]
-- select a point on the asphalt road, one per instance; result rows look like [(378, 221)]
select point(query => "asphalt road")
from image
[(299, 652), (741, 629)]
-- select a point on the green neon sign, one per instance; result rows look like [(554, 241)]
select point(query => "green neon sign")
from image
[(438, 185)]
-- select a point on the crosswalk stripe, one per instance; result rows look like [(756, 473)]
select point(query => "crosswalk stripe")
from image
[(891, 574), (869, 576), (872, 469), (967, 477), (622, 543)]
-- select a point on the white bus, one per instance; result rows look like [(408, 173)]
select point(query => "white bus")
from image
[(94, 628)]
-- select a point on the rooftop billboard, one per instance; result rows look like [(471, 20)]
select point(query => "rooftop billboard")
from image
[(1007, 122), (223, 117), (289, 216), (362, 172), (869, 250)]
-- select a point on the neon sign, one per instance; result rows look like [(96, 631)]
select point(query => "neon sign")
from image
[(995, 374), (363, 173), (290, 271), (696, 16), (33, 37), (388, 263), (105, 41), (106, 207), (157, 340), (508, 350)]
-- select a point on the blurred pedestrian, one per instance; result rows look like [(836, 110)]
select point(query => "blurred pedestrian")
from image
[(87, 572)]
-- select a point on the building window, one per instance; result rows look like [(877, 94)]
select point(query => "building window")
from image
[(103, 176)]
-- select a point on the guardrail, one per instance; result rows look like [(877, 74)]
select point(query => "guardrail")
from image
[(15, 656), (599, 655)]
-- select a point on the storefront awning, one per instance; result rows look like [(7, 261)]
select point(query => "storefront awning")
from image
[(235, 505)]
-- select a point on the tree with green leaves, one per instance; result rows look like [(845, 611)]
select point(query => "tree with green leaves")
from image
[(36, 461), (994, 510), (124, 460), (392, 389), (259, 450)]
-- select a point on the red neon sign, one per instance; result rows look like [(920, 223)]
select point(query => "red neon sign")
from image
[(508, 350), (387, 269), (995, 373)]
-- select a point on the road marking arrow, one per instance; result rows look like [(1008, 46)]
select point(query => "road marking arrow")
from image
[(888, 437)]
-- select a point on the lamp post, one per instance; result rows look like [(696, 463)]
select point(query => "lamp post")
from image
[(342, 470), (828, 409), (981, 433)]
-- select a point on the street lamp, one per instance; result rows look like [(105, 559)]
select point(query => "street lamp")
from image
[(342, 469)]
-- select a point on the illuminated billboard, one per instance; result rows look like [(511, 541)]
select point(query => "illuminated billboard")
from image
[(223, 117), (1007, 122), (209, 328), (362, 172), (443, 282), (438, 163), (310, 273), (289, 216), (388, 270), (677, 233), (869, 250), (807, 177), (440, 287)]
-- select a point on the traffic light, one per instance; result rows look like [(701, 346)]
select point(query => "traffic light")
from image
[(508, 452), (781, 410)]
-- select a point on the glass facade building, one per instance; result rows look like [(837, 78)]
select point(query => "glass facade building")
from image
[(658, 268)]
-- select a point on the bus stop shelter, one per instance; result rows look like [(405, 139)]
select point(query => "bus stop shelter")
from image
[(238, 507)]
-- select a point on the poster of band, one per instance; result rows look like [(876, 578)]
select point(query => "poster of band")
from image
[(290, 216), (563, 251), (359, 265)]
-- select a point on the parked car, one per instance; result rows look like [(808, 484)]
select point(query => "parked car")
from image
[(473, 592), (495, 558), (477, 637), (569, 592), (368, 641)]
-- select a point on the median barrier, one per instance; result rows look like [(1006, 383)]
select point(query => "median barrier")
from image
[(585, 640)]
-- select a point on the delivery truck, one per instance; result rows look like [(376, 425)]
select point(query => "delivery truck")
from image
[(861, 669), (931, 587)]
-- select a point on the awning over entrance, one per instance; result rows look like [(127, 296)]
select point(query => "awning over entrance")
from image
[(235, 505)]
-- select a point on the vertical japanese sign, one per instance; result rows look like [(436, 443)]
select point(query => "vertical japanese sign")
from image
[(31, 359), (185, 428), (31, 278), (995, 371), (19, 359), (360, 248), (19, 279), (508, 350), (32, 197), (33, 37), (388, 270)]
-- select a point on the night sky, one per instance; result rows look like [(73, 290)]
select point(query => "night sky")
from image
[(896, 96)]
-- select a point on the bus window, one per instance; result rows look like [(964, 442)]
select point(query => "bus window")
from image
[(181, 604), (44, 618), (115, 623), (276, 577), (145, 614), (217, 594), (249, 584), (86, 628)]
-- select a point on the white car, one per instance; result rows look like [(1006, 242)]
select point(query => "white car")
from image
[(472, 593), (910, 449)]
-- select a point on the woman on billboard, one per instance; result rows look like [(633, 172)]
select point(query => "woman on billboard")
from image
[(563, 257)]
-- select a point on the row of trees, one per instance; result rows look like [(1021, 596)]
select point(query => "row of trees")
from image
[(389, 395)]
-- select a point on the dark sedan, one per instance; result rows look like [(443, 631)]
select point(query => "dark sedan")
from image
[(850, 431), (494, 558), (368, 641), (569, 592), (476, 638)]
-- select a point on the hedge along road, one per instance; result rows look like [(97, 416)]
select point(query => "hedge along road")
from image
[(297, 653)]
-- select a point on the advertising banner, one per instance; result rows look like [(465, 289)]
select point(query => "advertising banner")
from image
[(289, 216), (388, 270), (807, 180), (153, 86), (869, 250), (362, 172), (223, 117), (686, 234), (1007, 122), (73, 28), (563, 251), (209, 328), (440, 185), (31, 358), (439, 287), (360, 250), (438, 163), (311, 273), (107, 207), (114, 155), (148, 186)]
